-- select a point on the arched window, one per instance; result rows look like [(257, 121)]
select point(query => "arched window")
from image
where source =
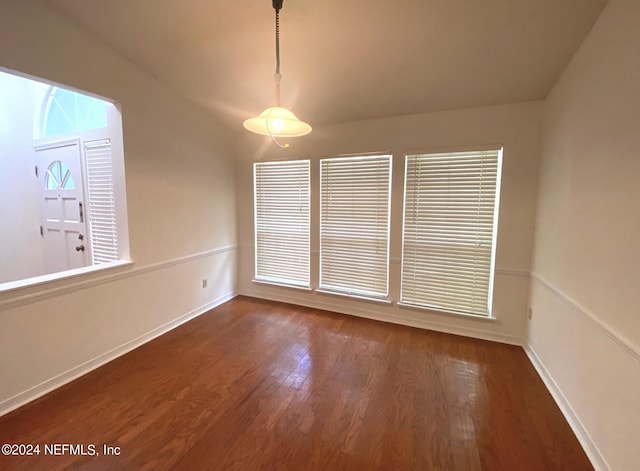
[(67, 112)]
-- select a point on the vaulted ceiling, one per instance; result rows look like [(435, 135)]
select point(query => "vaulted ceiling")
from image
[(344, 60)]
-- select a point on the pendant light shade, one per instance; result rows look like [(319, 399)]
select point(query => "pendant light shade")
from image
[(277, 121)]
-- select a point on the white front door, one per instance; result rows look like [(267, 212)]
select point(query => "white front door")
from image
[(64, 229)]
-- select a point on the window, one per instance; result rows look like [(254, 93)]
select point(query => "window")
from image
[(354, 224), (281, 205), (69, 112), (101, 201), (58, 177), (450, 218)]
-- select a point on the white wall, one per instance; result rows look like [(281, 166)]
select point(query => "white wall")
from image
[(20, 241), (585, 332), (180, 177), (516, 127)]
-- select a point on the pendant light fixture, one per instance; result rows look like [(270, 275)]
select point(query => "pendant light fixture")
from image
[(277, 121)]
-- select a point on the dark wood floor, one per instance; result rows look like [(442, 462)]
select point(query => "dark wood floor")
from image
[(261, 385)]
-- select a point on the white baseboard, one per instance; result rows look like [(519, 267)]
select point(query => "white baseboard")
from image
[(393, 318), (590, 448), (49, 385)]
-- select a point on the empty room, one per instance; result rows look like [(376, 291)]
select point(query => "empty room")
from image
[(319, 235)]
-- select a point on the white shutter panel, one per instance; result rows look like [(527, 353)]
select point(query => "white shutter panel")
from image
[(450, 216), (282, 222), (101, 208), (354, 226)]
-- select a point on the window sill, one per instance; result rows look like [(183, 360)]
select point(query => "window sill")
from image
[(357, 297), (281, 285), (443, 312)]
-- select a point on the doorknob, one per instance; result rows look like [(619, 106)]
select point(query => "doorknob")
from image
[(80, 248)]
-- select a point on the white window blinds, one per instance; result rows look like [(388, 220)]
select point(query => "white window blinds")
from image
[(281, 204), (354, 224), (101, 198), (450, 218)]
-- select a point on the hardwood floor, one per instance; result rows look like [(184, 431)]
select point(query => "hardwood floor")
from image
[(260, 385)]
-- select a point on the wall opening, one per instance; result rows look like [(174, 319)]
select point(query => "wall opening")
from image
[(62, 187)]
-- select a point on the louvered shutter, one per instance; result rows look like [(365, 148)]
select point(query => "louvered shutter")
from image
[(101, 207), (282, 224), (450, 216), (354, 225)]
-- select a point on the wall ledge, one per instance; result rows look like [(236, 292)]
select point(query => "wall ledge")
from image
[(59, 287)]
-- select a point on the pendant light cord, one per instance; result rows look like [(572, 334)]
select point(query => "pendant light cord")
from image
[(277, 5), (277, 41)]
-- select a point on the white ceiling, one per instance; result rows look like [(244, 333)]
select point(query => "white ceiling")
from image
[(345, 60)]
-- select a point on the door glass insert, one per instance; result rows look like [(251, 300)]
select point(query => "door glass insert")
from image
[(59, 177)]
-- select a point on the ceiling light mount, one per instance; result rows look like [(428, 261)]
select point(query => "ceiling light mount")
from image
[(277, 121)]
